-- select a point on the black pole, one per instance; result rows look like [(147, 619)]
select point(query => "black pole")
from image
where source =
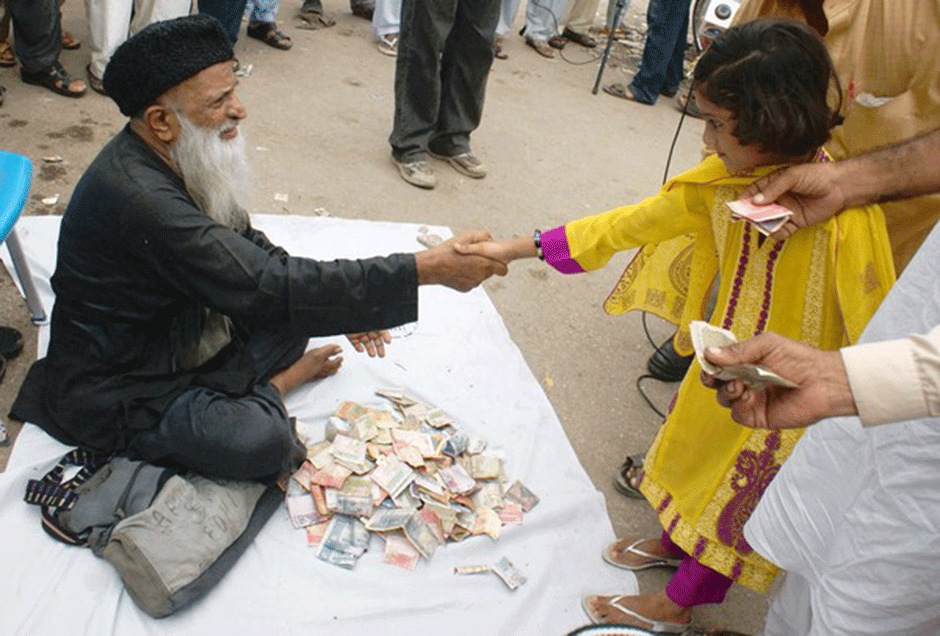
[(610, 40)]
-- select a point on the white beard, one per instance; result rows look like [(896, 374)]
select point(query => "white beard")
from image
[(215, 170)]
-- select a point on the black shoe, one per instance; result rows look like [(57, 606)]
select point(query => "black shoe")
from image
[(11, 342), (667, 365)]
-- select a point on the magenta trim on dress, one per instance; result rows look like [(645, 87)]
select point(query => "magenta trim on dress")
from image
[(557, 253)]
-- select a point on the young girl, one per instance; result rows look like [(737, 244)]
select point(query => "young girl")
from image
[(762, 88)]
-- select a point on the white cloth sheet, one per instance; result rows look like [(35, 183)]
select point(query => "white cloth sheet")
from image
[(459, 357), (854, 514)]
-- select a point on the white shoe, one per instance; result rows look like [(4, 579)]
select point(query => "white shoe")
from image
[(465, 163), (418, 173)]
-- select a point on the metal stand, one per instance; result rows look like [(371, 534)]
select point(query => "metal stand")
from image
[(610, 40), (26, 280)]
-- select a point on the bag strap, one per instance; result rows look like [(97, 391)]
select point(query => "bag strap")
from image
[(55, 496)]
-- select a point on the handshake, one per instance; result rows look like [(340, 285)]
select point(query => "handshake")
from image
[(467, 260)]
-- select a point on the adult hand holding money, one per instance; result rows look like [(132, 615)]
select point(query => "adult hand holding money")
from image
[(822, 388), (706, 336)]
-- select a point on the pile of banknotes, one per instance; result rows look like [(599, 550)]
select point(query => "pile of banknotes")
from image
[(409, 474)]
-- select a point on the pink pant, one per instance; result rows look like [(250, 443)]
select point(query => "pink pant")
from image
[(693, 583)]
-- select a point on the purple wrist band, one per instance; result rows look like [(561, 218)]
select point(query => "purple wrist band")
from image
[(557, 253)]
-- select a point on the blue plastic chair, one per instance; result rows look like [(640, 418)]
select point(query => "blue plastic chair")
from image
[(15, 176)]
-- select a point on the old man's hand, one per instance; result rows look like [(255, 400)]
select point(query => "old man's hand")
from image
[(371, 342), (443, 265)]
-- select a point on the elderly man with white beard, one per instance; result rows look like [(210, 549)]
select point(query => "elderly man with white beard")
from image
[(177, 327)]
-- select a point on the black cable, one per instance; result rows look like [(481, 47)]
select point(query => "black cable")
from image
[(645, 397), (647, 332), (675, 138)]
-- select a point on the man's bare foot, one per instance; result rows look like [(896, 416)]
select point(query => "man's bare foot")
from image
[(649, 609), (315, 364), (634, 553)]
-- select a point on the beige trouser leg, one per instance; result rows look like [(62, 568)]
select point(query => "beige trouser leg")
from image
[(581, 15)]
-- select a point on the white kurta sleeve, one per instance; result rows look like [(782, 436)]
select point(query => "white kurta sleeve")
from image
[(895, 380)]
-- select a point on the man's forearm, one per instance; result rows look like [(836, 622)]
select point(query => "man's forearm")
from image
[(902, 171)]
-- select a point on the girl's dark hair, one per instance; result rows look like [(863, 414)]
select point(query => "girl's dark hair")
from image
[(774, 77)]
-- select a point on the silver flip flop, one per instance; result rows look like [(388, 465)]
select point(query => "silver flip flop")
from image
[(655, 561), (657, 627)]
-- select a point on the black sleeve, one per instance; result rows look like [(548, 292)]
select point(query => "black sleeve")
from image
[(248, 278)]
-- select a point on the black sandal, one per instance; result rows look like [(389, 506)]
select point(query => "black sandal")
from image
[(583, 39), (268, 33), (54, 78), (624, 481), (557, 42)]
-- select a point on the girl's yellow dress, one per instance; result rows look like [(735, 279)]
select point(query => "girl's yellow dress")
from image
[(704, 473)]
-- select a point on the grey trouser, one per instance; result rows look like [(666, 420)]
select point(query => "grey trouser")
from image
[(445, 50), (232, 437), (37, 33)]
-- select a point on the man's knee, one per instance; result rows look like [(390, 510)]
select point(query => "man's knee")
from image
[(220, 436), (258, 440)]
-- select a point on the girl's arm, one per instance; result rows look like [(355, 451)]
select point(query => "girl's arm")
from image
[(588, 243), (504, 251)]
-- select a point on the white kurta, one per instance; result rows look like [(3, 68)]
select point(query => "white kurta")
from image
[(854, 514)]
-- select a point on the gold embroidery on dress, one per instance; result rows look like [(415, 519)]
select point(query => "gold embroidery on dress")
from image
[(721, 216), (811, 328), (752, 571), (623, 295), (655, 298), (870, 281), (681, 269)]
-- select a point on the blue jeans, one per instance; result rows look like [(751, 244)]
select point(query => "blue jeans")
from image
[(661, 66)]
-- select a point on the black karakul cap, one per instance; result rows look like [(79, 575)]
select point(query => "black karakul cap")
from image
[(162, 55)]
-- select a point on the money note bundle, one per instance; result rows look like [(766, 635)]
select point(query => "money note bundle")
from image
[(410, 475)]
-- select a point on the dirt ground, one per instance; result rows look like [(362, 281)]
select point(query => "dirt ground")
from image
[(319, 118)]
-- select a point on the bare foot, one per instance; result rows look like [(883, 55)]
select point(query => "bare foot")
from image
[(619, 552), (315, 364), (654, 607)]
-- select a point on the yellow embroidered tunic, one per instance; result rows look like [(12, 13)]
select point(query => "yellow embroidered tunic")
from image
[(704, 474)]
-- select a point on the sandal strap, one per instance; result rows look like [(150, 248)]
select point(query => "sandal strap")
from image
[(633, 549), (660, 627)]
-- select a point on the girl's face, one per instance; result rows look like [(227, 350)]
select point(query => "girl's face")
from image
[(719, 136)]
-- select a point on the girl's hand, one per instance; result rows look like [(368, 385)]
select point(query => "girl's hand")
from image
[(504, 251), (372, 342)]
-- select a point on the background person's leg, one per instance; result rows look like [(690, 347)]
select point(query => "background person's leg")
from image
[(37, 33), (228, 12), (668, 22), (425, 26), (465, 67), (108, 24)]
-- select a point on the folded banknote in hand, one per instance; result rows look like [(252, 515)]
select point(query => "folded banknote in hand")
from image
[(705, 335)]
